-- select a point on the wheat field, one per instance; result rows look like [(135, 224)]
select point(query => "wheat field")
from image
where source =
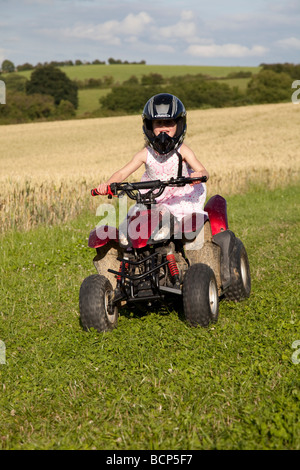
[(47, 169)]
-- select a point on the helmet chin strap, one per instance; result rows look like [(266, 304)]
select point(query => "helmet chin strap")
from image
[(164, 141), (164, 137)]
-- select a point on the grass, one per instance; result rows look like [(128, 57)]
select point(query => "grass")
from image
[(120, 73), (89, 100), (154, 382)]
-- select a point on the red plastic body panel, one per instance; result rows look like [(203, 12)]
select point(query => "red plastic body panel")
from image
[(141, 223), (140, 227), (99, 236), (216, 208)]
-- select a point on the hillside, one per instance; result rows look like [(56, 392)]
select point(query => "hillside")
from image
[(89, 98), (120, 73)]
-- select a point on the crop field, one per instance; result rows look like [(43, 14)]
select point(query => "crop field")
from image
[(47, 169), (154, 383)]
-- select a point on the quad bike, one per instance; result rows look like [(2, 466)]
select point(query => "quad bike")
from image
[(194, 268)]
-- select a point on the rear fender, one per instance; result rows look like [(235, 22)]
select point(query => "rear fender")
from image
[(216, 208)]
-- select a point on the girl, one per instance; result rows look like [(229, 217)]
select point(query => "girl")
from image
[(166, 156)]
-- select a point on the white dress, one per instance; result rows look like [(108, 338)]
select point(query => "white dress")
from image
[(181, 201)]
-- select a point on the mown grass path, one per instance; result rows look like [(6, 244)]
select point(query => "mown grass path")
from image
[(153, 383)]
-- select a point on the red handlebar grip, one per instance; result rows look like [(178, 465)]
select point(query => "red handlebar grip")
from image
[(94, 192)]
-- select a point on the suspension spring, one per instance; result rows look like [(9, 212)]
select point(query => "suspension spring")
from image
[(120, 271), (172, 266)]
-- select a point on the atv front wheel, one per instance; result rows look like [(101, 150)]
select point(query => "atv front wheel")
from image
[(240, 286), (95, 304), (200, 295)]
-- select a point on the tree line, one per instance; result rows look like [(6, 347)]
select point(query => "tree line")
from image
[(8, 66), (49, 94), (271, 85)]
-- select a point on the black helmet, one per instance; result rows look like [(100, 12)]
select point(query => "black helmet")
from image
[(164, 106)]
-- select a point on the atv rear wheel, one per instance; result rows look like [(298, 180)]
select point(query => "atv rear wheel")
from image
[(95, 304), (240, 286), (200, 295)]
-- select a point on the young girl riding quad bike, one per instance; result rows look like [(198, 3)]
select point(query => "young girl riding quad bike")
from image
[(169, 245)]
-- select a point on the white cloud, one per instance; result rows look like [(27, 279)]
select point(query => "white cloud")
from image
[(135, 23), (187, 15), (185, 29), (289, 43), (225, 50), (234, 32), (110, 31)]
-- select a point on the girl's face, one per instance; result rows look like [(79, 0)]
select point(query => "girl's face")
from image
[(168, 126)]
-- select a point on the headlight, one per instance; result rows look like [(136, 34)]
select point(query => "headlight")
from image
[(162, 234), (122, 239)]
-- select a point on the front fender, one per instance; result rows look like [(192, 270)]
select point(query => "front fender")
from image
[(100, 236)]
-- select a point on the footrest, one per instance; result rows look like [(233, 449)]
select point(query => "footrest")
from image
[(170, 290)]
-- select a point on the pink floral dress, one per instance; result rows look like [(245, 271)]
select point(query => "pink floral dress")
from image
[(181, 201)]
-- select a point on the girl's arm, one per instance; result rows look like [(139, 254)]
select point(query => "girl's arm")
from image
[(189, 156), (122, 174)]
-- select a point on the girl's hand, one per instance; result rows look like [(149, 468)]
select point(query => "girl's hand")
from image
[(102, 189), (197, 174)]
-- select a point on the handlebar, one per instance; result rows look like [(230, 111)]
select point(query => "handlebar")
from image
[(133, 189)]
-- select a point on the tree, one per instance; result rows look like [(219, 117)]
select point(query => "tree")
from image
[(127, 99), (15, 82), (23, 108), (8, 66), (25, 66), (49, 80), (152, 79), (269, 87), (26, 108)]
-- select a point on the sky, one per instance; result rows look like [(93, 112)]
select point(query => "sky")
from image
[(162, 32)]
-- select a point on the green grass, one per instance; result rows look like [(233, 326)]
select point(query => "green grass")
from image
[(89, 100), (120, 73), (154, 382)]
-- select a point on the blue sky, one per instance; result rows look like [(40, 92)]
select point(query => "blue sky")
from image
[(183, 32)]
